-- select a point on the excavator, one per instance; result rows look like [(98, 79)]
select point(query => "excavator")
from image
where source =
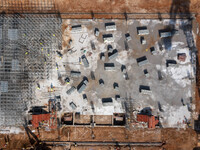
[(36, 143)]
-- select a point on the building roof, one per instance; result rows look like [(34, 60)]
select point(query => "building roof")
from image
[(151, 120), (36, 119)]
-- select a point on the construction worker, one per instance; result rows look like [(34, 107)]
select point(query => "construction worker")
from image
[(38, 86), (59, 54), (79, 60), (51, 87), (56, 66), (26, 53), (67, 80), (45, 59), (48, 52)]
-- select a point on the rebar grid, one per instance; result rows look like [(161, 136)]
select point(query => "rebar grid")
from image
[(26, 6), (27, 45)]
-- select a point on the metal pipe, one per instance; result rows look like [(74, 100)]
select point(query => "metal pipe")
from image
[(100, 143)]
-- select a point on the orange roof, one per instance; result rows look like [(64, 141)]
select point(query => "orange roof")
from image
[(39, 118), (151, 120), (142, 118)]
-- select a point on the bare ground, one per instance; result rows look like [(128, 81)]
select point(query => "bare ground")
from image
[(174, 139)]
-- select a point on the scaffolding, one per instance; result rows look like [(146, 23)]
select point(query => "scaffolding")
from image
[(27, 45)]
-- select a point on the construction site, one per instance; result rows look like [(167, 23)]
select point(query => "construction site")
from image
[(82, 76)]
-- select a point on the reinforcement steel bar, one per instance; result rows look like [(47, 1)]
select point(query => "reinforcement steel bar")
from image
[(27, 43)]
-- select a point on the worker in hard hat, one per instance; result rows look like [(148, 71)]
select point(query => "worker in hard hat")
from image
[(38, 86), (67, 80), (48, 52), (51, 87), (56, 66), (79, 60), (59, 54)]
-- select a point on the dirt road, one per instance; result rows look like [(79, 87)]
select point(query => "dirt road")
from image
[(101, 8), (174, 139)]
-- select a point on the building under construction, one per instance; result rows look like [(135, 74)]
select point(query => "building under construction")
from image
[(79, 75)]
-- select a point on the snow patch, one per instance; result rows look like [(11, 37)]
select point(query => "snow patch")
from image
[(176, 116), (181, 74), (122, 57)]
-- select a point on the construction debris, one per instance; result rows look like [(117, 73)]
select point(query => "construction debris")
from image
[(170, 62), (164, 34), (76, 28), (142, 61), (116, 86), (71, 90), (109, 48), (110, 26), (142, 30), (113, 54), (96, 32), (81, 87), (85, 61), (101, 82), (142, 40), (145, 89), (146, 73), (109, 66), (107, 101), (128, 37), (73, 105), (102, 56), (75, 73), (152, 50)]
